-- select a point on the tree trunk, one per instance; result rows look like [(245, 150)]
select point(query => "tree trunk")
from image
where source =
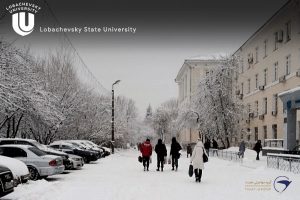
[(15, 132), (8, 128)]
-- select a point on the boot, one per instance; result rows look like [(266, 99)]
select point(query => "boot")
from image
[(162, 169), (157, 169)]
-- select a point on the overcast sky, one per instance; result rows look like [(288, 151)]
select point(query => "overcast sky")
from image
[(148, 61)]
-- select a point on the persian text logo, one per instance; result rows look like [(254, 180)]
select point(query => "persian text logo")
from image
[(281, 183), (23, 17)]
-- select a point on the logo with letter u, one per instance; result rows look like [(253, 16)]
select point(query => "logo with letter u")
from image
[(19, 23)]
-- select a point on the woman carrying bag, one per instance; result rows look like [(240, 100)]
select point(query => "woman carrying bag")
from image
[(198, 158)]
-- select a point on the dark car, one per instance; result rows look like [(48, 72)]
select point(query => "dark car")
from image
[(69, 148), (6, 181), (67, 163)]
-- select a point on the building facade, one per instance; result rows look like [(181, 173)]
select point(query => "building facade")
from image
[(269, 65), (188, 77)]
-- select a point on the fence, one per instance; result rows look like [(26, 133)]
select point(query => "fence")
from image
[(226, 155), (285, 162)]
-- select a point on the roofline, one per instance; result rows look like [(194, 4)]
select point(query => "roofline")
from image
[(196, 60), (267, 22)]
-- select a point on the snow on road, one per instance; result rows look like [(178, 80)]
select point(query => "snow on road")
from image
[(121, 177)]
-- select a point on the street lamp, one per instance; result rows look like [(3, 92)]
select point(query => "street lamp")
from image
[(113, 116)]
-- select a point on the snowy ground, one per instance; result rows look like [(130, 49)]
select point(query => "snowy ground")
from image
[(121, 177)]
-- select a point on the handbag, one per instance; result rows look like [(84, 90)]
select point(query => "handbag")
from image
[(191, 170), (140, 159), (205, 158)]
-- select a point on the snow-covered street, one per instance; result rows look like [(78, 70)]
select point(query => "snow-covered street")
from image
[(121, 176)]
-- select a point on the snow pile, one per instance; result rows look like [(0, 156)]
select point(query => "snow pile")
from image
[(18, 168)]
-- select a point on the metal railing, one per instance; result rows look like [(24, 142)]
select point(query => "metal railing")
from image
[(284, 162), (226, 155)]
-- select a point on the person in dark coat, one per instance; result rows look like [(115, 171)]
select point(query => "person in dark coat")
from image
[(257, 148), (146, 150), (215, 146), (161, 152), (242, 149), (189, 150), (174, 152), (207, 146)]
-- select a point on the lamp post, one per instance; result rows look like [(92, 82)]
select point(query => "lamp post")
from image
[(113, 116)]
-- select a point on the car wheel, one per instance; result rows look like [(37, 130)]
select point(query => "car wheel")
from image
[(33, 173)]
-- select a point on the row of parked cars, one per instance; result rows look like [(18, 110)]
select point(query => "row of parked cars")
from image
[(26, 159)]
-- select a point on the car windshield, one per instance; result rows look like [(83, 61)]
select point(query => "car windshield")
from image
[(36, 151)]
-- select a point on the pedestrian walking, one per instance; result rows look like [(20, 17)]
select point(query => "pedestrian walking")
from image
[(207, 146), (161, 152), (216, 147), (242, 149), (221, 144), (257, 148), (189, 150), (146, 150), (174, 152), (197, 160)]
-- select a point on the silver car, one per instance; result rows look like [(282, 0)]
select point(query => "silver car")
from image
[(40, 165)]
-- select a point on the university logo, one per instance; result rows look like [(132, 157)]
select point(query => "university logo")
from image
[(23, 17), (281, 183), (19, 23)]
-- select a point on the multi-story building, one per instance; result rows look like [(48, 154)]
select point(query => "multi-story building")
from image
[(188, 79), (270, 65)]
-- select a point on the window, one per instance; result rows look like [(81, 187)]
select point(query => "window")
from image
[(275, 103), (276, 41), (265, 106), (14, 152), (66, 147), (288, 31), (288, 65), (256, 55), (242, 66), (256, 107), (275, 70), (265, 132), (256, 133), (242, 88), (249, 108), (36, 151), (274, 131), (250, 60), (265, 76), (256, 81), (265, 48), (249, 84)]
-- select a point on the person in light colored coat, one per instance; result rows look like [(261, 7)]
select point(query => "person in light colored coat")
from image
[(197, 160)]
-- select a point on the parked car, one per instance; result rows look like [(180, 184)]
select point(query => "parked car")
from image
[(18, 168), (77, 161), (20, 141), (93, 146), (106, 151), (70, 148), (82, 145), (40, 164), (6, 181)]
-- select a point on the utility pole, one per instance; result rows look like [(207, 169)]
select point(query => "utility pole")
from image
[(113, 116)]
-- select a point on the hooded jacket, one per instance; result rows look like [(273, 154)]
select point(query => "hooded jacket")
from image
[(160, 149)]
